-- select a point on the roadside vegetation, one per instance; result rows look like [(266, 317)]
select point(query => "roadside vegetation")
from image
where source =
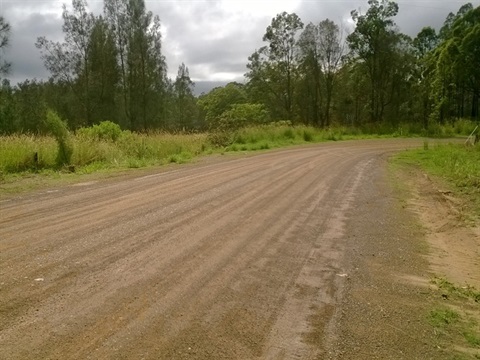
[(454, 314), (455, 319), (106, 146), (457, 164)]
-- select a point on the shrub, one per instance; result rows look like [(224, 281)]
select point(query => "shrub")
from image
[(106, 130), (220, 138), (242, 115), (59, 129)]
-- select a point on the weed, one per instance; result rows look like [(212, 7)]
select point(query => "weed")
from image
[(472, 338), (440, 318), (467, 292)]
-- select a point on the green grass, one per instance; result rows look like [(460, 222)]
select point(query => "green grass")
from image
[(105, 146), (455, 319), (282, 135), (17, 153), (441, 318), (458, 164), (464, 292)]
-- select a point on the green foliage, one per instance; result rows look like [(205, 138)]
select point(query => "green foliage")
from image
[(59, 129), (220, 100), (472, 338), (220, 138), (458, 164), (443, 317), (273, 68), (467, 292), (17, 153), (455, 321), (379, 47), (242, 115), (106, 130)]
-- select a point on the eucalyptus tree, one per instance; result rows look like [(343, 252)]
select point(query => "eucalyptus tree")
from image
[(185, 105), (68, 62), (274, 67), (456, 84), (374, 43), (104, 72), (139, 54), (310, 93), (321, 53), (6, 109), (424, 46)]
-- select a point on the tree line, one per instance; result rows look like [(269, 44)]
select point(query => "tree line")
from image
[(111, 67)]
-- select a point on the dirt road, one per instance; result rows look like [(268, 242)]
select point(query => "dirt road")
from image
[(241, 258)]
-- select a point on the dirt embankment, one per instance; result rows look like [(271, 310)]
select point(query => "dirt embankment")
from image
[(292, 254)]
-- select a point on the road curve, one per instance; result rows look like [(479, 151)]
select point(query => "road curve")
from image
[(235, 259)]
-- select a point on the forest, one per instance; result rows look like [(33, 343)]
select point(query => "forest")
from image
[(111, 67)]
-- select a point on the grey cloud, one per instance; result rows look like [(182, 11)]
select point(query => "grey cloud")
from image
[(200, 33), (25, 57)]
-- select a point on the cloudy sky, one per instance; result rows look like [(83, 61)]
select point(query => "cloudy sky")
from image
[(212, 37)]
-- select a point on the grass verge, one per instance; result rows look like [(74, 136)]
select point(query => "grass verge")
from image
[(458, 165), (106, 148), (454, 313), (455, 319)]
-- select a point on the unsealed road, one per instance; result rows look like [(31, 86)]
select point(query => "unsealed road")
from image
[(231, 259)]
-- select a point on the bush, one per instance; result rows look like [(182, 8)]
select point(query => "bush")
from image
[(220, 138), (106, 130), (59, 129), (242, 115)]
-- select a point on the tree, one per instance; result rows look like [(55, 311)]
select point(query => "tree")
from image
[(4, 41), (374, 43), (69, 61), (6, 108), (424, 45), (186, 108), (220, 100), (103, 72), (310, 94), (29, 97), (116, 15), (142, 65), (456, 78), (8, 118), (322, 53), (274, 66)]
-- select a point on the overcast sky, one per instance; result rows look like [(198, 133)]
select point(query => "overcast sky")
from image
[(212, 37)]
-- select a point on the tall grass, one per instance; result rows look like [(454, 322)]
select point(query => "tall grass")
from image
[(106, 146), (17, 152)]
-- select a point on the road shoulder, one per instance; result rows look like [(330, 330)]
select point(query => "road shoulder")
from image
[(390, 260)]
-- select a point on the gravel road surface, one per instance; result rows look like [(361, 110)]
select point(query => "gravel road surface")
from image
[(238, 258)]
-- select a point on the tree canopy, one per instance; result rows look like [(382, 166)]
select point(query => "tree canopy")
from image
[(111, 67)]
